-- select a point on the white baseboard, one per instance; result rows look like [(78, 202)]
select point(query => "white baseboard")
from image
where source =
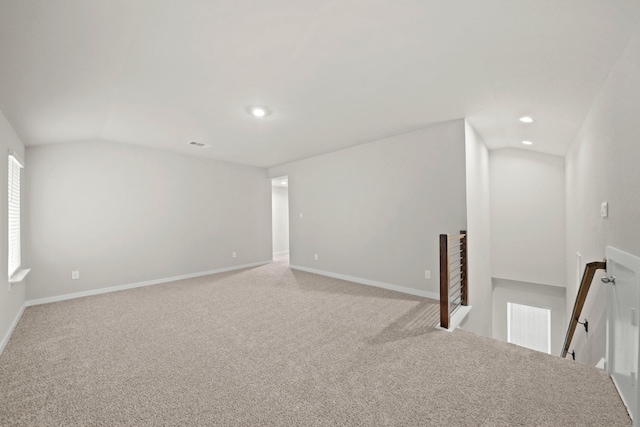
[(6, 337), (137, 285), (368, 282), (602, 363), (280, 253), (454, 322), (615, 383)]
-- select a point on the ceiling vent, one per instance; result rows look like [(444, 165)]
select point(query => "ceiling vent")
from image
[(199, 144)]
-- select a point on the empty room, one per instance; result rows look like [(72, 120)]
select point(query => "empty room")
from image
[(252, 213)]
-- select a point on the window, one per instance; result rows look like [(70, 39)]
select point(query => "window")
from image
[(529, 326), (14, 213)]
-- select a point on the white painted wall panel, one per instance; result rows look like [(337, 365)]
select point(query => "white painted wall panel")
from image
[(603, 165), (122, 214), (479, 228), (11, 301), (527, 216), (375, 211)]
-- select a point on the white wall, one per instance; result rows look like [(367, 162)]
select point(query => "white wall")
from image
[(551, 297), (603, 164), (375, 211), (527, 216), (280, 219), (11, 299), (122, 214), (479, 229)]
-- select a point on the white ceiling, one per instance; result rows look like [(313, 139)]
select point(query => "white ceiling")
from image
[(335, 73)]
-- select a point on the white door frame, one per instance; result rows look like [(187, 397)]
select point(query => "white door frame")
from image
[(620, 310)]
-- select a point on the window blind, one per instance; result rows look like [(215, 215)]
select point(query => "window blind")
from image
[(14, 214), (529, 326)]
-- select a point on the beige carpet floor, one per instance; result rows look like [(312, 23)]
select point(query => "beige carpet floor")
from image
[(269, 346)]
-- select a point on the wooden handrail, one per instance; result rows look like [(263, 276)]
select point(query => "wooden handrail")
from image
[(446, 276), (589, 271)]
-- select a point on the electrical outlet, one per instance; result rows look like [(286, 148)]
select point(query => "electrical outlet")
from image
[(233, 254), (75, 275), (315, 257), (427, 274)]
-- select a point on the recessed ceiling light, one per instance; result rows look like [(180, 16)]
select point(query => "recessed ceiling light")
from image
[(283, 182), (526, 119), (527, 142), (259, 111)]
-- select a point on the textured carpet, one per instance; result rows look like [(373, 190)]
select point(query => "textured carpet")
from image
[(270, 346)]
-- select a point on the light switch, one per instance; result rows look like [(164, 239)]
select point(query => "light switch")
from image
[(604, 209)]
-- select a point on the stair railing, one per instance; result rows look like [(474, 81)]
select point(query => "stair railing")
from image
[(453, 275), (589, 271)]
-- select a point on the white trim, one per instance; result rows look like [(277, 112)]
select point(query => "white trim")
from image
[(280, 253), (7, 336), (624, 402), (368, 282), (632, 263), (17, 158), (602, 363), (138, 284), (623, 258), (19, 275), (454, 322)]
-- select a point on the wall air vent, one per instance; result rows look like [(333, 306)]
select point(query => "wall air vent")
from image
[(199, 144)]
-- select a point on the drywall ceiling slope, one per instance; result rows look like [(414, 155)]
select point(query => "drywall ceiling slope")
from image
[(161, 73)]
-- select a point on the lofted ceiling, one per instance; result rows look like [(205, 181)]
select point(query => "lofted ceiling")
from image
[(334, 73)]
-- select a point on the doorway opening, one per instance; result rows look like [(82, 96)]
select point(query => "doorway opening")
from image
[(280, 219)]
